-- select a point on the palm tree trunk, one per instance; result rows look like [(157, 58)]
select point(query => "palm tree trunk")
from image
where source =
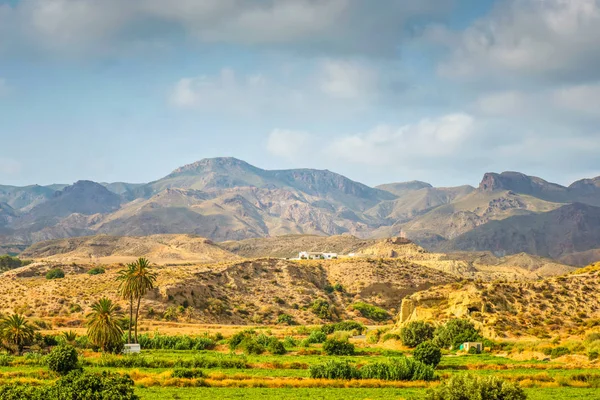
[(137, 314), (130, 317)]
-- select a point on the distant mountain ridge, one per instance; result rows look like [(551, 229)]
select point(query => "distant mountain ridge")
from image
[(229, 199)]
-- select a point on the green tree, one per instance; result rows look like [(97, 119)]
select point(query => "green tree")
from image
[(103, 324), (456, 332), (428, 353), (63, 359), (415, 333), (127, 291), (16, 331), (143, 281)]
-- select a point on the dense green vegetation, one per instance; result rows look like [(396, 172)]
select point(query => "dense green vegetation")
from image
[(55, 273), (8, 262)]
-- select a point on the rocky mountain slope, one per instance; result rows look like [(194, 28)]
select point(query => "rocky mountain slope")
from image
[(242, 292), (558, 305), (227, 199)]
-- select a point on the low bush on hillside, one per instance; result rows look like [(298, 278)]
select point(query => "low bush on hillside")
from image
[(55, 273), (8, 262), (96, 271), (316, 336), (285, 319), (322, 309), (470, 387), (334, 347), (371, 312), (350, 326), (428, 353), (415, 333)]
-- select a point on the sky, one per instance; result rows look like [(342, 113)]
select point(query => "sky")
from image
[(380, 91)]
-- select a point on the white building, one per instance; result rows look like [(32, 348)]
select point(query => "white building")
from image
[(307, 255)]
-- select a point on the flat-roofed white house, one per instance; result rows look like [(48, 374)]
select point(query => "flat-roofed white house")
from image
[(307, 255)]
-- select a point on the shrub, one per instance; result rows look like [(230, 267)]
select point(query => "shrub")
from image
[(55, 273), (239, 337), (416, 333), (333, 369), (334, 347), (469, 387), (286, 319), (455, 332), (399, 369), (290, 342), (372, 312), (559, 352), (593, 355), (316, 336), (322, 309), (276, 347), (63, 359), (250, 346), (188, 373), (428, 353), (5, 360), (344, 326), (96, 271)]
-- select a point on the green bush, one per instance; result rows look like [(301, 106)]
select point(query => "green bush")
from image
[(334, 347), (7, 263), (285, 319), (399, 369), (76, 385), (322, 309), (183, 342), (237, 338), (63, 359), (592, 355), (333, 369), (456, 332), (250, 346), (96, 271), (139, 361), (559, 352), (428, 353), (5, 360), (470, 387), (316, 336), (188, 373), (290, 342), (415, 333), (353, 326), (374, 313), (276, 347), (55, 273)]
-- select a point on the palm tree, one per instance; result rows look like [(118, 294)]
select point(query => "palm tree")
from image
[(142, 280), (15, 329), (127, 291), (103, 324), (70, 337)]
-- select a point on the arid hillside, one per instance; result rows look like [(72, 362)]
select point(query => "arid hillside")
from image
[(252, 291), (567, 304), (104, 249)]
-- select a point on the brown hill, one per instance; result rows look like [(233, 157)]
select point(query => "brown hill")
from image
[(253, 291), (105, 249), (563, 304)]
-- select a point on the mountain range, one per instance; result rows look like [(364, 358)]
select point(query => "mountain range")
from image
[(228, 199)]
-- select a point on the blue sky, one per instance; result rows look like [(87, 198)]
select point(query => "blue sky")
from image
[(435, 90)]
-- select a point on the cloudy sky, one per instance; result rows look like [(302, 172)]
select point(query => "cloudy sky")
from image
[(380, 91)]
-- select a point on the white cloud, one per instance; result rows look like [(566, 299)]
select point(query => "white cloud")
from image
[(532, 38), (97, 27), (348, 80), (506, 103), (292, 145), (582, 99)]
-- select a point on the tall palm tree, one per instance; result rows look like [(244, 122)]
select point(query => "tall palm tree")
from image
[(103, 324), (127, 292), (142, 281), (16, 331)]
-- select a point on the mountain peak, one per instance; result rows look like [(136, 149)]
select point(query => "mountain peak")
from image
[(208, 164)]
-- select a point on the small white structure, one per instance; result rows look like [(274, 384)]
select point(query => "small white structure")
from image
[(307, 255), (467, 346), (132, 348)]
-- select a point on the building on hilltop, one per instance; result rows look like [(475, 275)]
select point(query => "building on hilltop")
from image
[(307, 255)]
